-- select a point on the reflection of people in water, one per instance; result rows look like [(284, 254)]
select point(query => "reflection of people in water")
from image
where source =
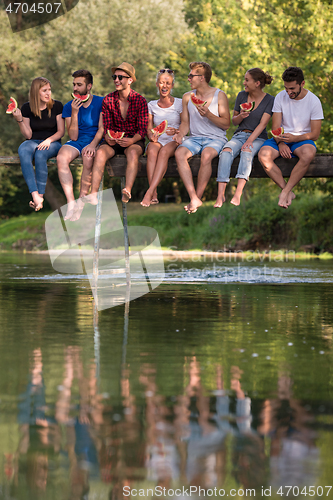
[(294, 458), (122, 447), (40, 435), (81, 445), (162, 460)]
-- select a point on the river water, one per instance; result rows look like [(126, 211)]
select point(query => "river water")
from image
[(217, 383)]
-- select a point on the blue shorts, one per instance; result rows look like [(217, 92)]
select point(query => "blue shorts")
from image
[(81, 143), (197, 144), (292, 145)]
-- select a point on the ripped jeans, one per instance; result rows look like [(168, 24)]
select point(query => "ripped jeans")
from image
[(246, 157)]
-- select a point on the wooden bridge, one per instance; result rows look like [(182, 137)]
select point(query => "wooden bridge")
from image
[(321, 166)]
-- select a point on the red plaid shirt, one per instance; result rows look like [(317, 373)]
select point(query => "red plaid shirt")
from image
[(136, 119)]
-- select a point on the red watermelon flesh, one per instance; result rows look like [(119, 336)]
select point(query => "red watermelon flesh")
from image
[(247, 106), (277, 132), (115, 135), (11, 106), (196, 101), (161, 128), (83, 98)]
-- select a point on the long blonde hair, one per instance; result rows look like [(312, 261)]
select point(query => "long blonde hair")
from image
[(34, 99)]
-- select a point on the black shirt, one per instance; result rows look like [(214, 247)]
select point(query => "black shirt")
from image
[(44, 127)]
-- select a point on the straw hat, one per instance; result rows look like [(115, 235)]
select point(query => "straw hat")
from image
[(128, 68)]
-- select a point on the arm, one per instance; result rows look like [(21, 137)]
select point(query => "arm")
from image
[(309, 136), (184, 126), (223, 120), (90, 149), (23, 123), (257, 131), (152, 137), (237, 117), (73, 122), (55, 137)]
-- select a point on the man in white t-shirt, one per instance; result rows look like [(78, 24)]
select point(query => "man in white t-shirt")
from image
[(299, 112)]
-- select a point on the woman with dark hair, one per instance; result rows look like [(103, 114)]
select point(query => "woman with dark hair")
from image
[(250, 134), (161, 148), (42, 125)]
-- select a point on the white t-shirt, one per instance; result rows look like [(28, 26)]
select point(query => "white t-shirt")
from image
[(172, 114), (297, 114)]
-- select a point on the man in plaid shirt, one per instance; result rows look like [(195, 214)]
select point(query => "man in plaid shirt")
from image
[(123, 111)]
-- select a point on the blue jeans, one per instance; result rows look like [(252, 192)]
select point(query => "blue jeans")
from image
[(246, 157), (36, 179)]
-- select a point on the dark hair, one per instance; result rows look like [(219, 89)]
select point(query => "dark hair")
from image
[(293, 73), (206, 68), (85, 74), (259, 75)]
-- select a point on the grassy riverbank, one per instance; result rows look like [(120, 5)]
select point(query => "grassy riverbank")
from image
[(257, 224)]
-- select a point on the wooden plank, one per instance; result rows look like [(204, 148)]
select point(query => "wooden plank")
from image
[(321, 166)]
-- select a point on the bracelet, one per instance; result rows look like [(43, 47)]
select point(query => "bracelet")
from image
[(19, 121)]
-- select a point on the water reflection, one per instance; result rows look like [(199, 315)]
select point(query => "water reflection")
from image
[(214, 386), (193, 439)]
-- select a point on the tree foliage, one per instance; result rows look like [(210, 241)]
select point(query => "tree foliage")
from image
[(235, 35)]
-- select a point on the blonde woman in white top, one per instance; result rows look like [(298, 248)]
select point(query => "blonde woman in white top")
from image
[(161, 148)]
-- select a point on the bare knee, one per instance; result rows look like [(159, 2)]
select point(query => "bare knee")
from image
[(182, 153), (307, 154), (206, 157), (265, 156), (226, 150)]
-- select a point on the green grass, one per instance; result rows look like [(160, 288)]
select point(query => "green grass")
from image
[(257, 224)]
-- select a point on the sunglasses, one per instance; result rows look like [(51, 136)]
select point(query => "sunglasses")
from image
[(190, 76), (170, 71), (120, 77)]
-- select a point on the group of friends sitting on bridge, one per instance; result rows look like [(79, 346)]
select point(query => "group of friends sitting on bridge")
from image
[(197, 124)]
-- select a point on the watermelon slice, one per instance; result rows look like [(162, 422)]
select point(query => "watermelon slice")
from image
[(161, 128), (277, 132), (11, 106), (247, 106), (83, 98), (115, 135), (196, 101)]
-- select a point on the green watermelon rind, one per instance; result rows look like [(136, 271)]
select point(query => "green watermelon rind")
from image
[(247, 110), (277, 135), (159, 130), (195, 99), (110, 132), (77, 96), (12, 100)]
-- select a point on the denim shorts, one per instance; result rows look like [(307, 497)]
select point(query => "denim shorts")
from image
[(291, 145), (197, 144)]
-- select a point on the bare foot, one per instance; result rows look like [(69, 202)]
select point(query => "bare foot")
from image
[(291, 197), (77, 210), (283, 199), (154, 201), (219, 202), (37, 202), (146, 200), (91, 198), (70, 210), (126, 196), (193, 206), (235, 200)]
